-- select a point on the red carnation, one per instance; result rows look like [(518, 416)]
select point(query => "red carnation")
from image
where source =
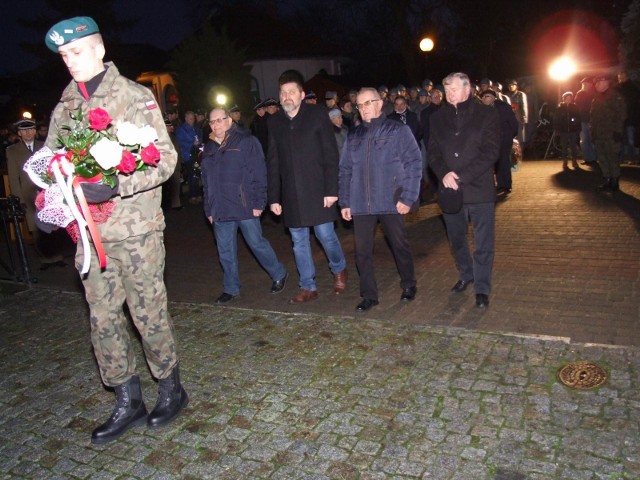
[(150, 155), (99, 119), (128, 162)]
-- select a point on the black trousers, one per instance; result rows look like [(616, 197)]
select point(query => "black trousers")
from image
[(503, 166), (479, 267), (393, 225)]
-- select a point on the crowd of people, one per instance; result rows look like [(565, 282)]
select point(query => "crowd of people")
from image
[(369, 157)]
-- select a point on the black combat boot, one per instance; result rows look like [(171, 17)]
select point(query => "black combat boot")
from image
[(615, 184), (129, 412), (606, 185), (171, 399)]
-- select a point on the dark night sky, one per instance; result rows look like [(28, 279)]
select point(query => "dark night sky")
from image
[(163, 24)]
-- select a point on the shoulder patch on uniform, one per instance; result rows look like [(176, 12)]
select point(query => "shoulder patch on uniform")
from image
[(151, 104)]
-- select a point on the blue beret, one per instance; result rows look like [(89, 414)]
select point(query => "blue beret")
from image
[(69, 30)]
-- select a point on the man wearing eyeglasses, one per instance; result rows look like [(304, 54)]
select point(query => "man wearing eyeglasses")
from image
[(234, 178), (303, 182), (380, 172)]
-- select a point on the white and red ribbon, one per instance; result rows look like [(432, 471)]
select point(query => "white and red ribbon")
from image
[(82, 215)]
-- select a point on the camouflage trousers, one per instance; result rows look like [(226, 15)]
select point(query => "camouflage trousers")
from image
[(134, 274), (607, 155)]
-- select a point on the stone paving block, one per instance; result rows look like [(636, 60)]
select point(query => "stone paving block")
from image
[(421, 417)]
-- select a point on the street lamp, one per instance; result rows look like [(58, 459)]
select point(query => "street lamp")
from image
[(560, 70), (221, 99), (426, 44)]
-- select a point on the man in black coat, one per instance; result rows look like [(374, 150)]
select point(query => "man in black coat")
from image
[(463, 149), (302, 164), (402, 114), (508, 131)]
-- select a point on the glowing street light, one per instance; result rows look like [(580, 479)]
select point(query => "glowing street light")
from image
[(562, 69), (426, 44), (221, 99)]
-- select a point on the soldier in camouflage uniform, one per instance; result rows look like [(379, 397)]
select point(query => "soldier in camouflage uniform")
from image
[(132, 237), (608, 112)]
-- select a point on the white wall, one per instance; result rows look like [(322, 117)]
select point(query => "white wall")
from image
[(268, 71)]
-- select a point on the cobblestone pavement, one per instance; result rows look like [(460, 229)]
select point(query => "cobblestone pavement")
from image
[(304, 396), (567, 264), (433, 389)]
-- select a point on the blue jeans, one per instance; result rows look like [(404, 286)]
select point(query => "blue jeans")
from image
[(227, 242), (326, 234)]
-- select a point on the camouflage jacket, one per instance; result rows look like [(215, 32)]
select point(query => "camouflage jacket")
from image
[(608, 112), (520, 106), (137, 209)]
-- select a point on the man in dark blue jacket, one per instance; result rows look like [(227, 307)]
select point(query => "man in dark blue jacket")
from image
[(463, 149), (379, 181), (234, 178)]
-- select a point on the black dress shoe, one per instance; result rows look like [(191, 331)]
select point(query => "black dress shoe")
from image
[(461, 286), (225, 298), (278, 285), (366, 304), (408, 294), (482, 300)]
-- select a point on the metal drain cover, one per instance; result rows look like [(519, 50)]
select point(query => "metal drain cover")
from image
[(582, 375)]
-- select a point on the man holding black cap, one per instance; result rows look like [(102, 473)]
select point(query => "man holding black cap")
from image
[(132, 236), (463, 149), (22, 186), (608, 113)]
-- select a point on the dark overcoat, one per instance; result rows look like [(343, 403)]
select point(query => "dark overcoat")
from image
[(302, 163), (466, 140)]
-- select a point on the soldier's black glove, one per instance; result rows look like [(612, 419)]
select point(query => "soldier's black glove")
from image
[(45, 227), (99, 192)]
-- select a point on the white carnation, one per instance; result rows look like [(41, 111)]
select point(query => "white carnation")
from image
[(148, 135), (128, 133), (107, 153), (131, 135)]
